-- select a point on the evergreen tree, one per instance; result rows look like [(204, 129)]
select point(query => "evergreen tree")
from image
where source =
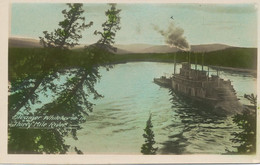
[(247, 122), (252, 98), (110, 27), (64, 37), (69, 31), (72, 96), (147, 148)]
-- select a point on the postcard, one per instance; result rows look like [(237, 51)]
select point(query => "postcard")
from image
[(102, 82)]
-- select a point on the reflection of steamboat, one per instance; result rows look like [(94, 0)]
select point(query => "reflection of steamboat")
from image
[(199, 86)]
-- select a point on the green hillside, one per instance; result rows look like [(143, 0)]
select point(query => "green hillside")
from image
[(23, 61), (231, 57)]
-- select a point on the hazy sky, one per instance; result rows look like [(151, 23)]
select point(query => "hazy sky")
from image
[(233, 24)]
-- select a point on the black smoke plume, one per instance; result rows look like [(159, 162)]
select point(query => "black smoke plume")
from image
[(173, 37)]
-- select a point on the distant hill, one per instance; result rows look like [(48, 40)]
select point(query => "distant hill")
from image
[(234, 57), (208, 47), (118, 51), (23, 42), (146, 48), (134, 48), (159, 49), (125, 49), (121, 51)]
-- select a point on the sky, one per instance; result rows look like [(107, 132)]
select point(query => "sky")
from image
[(231, 24)]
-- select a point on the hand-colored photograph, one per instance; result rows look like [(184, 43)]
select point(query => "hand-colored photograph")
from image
[(132, 78)]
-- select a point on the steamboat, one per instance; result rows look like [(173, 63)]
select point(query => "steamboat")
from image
[(199, 86)]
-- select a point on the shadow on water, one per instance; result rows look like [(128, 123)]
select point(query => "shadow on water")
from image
[(189, 117), (176, 145)]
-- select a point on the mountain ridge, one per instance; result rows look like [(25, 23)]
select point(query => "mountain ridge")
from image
[(125, 48)]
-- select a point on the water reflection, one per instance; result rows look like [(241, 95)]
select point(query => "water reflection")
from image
[(197, 125), (176, 144)]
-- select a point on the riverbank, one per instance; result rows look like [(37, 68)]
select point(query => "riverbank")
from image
[(249, 71), (24, 61), (231, 69), (244, 59)]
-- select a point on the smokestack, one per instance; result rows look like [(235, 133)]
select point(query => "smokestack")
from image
[(173, 36), (196, 61), (202, 60), (189, 57), (174, 71)]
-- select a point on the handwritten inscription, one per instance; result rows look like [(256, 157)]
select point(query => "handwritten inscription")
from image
[(44, 122)]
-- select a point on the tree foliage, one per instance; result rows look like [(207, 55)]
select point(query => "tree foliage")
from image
[(147, 148), (252, 98), (110, 27), (72, 98), (69, 31), (36, 141), (247, 122)]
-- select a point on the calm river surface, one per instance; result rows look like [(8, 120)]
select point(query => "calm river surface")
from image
[(180, 127)]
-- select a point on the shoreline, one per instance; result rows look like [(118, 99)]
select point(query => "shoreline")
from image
[(251, 71), (244, 70)]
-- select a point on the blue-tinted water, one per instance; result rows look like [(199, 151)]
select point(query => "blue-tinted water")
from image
[(180, 127)]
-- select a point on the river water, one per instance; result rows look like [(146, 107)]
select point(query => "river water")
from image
[(180, 127)]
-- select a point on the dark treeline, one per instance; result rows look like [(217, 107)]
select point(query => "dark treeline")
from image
[(231, 57), (245, 58)]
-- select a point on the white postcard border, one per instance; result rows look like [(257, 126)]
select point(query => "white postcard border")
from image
[(100, 159)]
